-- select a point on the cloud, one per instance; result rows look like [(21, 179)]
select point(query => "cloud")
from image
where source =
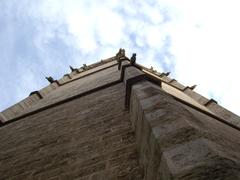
[(194, 40), (205, 40)]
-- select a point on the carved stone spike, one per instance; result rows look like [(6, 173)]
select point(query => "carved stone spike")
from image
[(84, 67), (166, 74), (72, 69), (120, 53), (133, 58), (193, 87), (50, 79), (117, 54)]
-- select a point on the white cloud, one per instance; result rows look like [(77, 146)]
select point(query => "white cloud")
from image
[(205, 40)]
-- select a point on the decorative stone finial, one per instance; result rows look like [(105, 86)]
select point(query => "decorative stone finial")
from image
[(72, 69), (121, 53), (133, 59), (50, 79), (152, 70), (193, 87), (84, 67), (166, 74)]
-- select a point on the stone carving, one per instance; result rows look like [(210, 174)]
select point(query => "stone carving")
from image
[(133, 59), (50, 79), (72, 69), (84, 67), (121, 53), (193, 87), (166, 74)]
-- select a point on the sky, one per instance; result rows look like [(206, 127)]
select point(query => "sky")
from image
[(198, 41)]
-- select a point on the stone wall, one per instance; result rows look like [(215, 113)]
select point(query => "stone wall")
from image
[(87, 138)]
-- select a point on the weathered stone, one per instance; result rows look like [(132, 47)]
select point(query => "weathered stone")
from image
[(71, 141), (182, 149), (81, 129)]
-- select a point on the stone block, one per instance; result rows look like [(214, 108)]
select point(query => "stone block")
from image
[(197, 160), (2, 118), (131, 72), (35, 98), (27, 102), (145, 89), (45, 91), (199, 98)]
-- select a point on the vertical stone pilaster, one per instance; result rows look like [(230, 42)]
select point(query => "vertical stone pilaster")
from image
[(169, 145)]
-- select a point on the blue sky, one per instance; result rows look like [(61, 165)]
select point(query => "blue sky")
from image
[(197, 40)]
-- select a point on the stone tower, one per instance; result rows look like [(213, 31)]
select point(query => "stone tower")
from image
[(116, 119)]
